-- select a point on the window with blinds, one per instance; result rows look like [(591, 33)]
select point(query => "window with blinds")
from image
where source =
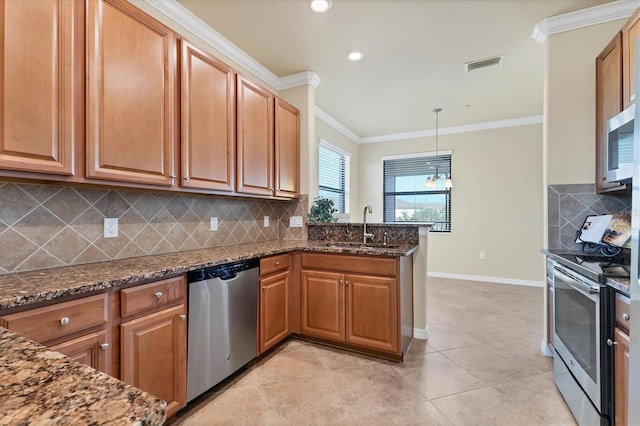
[(407, 199), (333, 179)]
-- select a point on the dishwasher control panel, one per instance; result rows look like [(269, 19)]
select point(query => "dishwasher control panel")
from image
[(228, 270)]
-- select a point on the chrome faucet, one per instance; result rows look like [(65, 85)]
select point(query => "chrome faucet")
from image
[(364, 221)]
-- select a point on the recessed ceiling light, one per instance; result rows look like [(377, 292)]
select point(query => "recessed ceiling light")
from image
[(355, 55), (320, 5)]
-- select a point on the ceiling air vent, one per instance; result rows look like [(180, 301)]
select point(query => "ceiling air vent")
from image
[(483, 64)]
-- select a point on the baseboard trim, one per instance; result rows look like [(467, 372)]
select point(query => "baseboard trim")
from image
[(421, 333), (482, 278)]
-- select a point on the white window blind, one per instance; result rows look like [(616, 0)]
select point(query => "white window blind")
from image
[(333, 179), (406, 199)]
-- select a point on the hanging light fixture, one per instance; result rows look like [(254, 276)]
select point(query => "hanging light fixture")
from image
[(432, 182)]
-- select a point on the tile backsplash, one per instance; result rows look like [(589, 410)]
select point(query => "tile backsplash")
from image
[(568, 205), (49, 225)]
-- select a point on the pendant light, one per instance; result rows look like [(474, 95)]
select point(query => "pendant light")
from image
[(432, 182)]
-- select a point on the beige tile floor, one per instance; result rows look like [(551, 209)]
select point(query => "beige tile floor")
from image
[(481, 365)]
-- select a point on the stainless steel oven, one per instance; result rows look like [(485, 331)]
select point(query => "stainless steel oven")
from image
[(581, 326)]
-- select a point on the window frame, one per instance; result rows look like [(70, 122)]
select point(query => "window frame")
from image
[(439, 226), (344, 192)]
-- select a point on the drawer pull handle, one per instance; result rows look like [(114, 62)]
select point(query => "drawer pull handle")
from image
[(64, 320), (159, 295), (626, 317), (104, 346), (183, 317), (278, 263)]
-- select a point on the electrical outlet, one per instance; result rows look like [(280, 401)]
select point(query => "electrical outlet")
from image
[(482, 256), (213, 225), (266, 222), (295, 222), (110, 227)]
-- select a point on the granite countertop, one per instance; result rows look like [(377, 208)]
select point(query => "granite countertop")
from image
[(24, 288), (39, 386)]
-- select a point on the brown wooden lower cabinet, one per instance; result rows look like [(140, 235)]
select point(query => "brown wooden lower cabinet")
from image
[(359, 309), (274, 310), (153, 355), (91, 349), (621, 376)]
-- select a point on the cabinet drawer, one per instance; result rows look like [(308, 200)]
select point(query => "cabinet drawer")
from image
[(51, 322), (362, 264), (150, 296), (269, 265), (622, 311)]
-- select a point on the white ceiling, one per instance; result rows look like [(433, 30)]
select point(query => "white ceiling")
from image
[(415, 51)]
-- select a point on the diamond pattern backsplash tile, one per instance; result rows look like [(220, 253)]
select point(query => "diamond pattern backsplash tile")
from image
[(43, 226), (568, 205)]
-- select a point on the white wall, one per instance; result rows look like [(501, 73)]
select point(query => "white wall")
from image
[(496, 200), (569, 106)]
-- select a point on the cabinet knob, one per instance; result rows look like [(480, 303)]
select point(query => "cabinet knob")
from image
[(183, 317), (104, 346), (186, 178), (64, 320), (172, 176), (340, 282), (264, 287), (346, 282), (611, 342), (626, 317), (159, 295), (278, 263)]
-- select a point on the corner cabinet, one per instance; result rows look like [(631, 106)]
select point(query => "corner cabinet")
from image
[(273, 315), (608, 104), (364, 302), (40, 94), (268, 160), (287, 150), (208, 121), (254, 139), (130, 95)]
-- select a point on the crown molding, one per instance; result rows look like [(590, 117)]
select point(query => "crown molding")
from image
[(182, 16), (336, 124), (310, 78), (621, 9), (513, 122)]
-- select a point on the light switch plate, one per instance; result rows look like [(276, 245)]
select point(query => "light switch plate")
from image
[(295, 222), (266, 221), (110, 227), (213, 225)]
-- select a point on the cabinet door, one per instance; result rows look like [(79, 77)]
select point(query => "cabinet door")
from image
[(608, 104), (130, 95), (40, 67), (92, 349), (287, 152), (274, 310), (254, 139), (621, 379), (372, 312), (630, 33), (322, 309), (208, 121), (153, 353)]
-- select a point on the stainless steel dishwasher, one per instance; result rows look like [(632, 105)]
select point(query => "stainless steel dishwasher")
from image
[(223, 306)]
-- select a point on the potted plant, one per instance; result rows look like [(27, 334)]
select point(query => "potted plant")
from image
[(322, 211)]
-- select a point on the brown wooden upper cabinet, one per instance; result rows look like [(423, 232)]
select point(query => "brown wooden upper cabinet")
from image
[(208, 121), (130, 95), (254, 138), (287, 150), (630, 33), (608, 104), (41, 73)]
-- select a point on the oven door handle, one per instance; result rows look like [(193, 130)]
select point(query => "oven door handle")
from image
[(575, 284)]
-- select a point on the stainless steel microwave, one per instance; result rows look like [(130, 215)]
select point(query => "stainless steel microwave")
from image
[(620, 146)]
